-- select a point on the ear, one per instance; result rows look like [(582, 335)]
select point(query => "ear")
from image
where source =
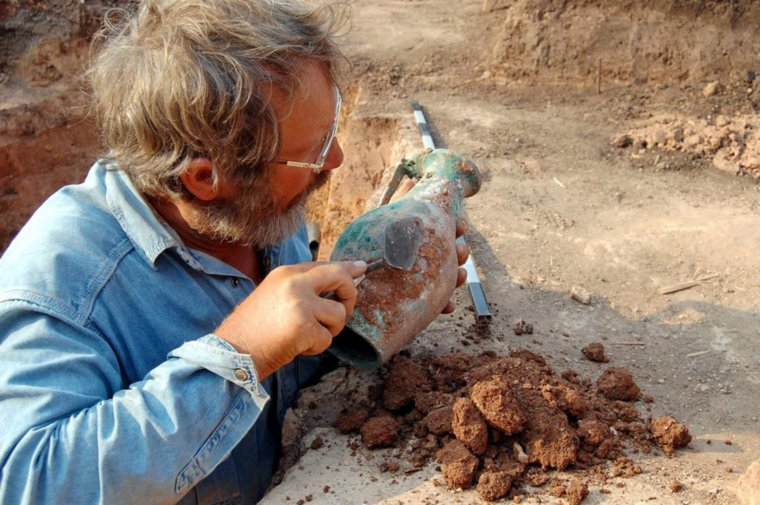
[(199, 179)]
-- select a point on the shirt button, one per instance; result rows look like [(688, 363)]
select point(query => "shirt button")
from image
[(241, 374), (235, 282)]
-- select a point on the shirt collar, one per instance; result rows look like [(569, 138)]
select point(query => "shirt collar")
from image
[(147, 230)]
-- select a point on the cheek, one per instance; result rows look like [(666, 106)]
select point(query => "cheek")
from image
[(289, 183)]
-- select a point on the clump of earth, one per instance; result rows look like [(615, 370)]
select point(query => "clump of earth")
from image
[(731, 143), (497, 423)]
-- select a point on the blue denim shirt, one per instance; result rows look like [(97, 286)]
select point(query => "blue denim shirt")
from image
[(113, 388)]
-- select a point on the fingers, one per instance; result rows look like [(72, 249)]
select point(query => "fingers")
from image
[(463, 251), (321, 341), (449, 308), (337, 277), (461, 276), (331, 315), (461, 227)]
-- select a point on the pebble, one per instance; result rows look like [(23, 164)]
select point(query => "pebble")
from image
[(580, 295), (710, 89)]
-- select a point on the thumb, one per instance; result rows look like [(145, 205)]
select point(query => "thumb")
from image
[(355, 268)]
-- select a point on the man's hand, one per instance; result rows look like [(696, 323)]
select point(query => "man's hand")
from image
[(462, 253), (285, 316)]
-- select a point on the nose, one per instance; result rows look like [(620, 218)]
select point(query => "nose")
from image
[(334, 157)]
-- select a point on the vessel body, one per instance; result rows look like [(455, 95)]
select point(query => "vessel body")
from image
[(394, 305)]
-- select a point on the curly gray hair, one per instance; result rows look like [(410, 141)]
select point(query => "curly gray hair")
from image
[(187, 78)]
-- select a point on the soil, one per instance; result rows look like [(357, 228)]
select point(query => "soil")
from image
[(618, 145), (507, 421)]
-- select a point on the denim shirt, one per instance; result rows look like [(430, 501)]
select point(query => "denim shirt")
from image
[(113, 388)]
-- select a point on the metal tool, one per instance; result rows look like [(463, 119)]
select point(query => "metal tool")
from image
[(313, 235), (401, 243)]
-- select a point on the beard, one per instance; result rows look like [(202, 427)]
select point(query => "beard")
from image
[(251, 217)]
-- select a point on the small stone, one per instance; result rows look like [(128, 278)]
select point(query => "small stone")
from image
[(678, 136), (580, 295), (675, 487), (711, 89), (595, 352), (521, 327)]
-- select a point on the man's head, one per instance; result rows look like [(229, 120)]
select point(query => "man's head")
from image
[(216, 92)]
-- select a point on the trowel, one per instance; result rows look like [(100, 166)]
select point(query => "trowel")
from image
[(401, 243), (402, 240)]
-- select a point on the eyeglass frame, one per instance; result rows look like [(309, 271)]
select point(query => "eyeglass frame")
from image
[(320, 163)]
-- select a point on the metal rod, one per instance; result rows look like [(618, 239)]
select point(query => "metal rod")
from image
[(482, 312), (419, 116)]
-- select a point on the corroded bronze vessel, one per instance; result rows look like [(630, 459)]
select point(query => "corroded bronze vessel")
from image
[(394, 305)]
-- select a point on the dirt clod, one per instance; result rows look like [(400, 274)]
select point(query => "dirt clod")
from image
[(380, 431), (404, 380), (494, 485), (439, 421), (514, 421), (595, 352), (458, 464), (617, 384), (351, 420), (576, 492), (469, 426), (670, 434), (498, 405)]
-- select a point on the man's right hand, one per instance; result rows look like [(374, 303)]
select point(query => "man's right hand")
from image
[(285, 316)]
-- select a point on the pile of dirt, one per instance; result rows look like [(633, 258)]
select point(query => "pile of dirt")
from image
[(731, 143), (498, 423)]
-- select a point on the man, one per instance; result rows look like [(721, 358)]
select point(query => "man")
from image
[(157, 320)]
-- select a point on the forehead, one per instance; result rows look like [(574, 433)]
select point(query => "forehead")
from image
[(312, 100)]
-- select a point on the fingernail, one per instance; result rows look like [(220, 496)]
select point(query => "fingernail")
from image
[(360, 264)]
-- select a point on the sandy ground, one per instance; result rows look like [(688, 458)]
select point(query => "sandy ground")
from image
[(562, 208)]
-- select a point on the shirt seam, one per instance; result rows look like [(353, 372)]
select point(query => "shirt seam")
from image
[(103, 276), (195, 470), (41, 302), (74, 314)]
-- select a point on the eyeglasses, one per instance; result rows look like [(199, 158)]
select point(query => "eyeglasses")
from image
[(316, 167)]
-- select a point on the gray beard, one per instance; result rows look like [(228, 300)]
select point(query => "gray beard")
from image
[(251, 218)]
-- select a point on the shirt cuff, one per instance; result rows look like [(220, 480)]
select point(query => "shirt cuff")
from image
[(218, 356)]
